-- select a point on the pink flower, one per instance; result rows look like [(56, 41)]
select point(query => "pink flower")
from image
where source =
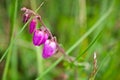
[(26, 17), (32, 26), (39, 37), (49, 48)]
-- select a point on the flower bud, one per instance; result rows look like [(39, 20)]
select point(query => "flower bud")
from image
[(39, 37), (49, 48), (32, 25), (26, 17)]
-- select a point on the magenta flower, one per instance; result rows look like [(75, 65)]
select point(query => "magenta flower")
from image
[(32, 26), (42, 35), (49, 49), (39, 37), (26, 17)]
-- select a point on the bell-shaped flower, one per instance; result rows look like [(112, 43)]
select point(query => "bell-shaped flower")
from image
[(49, 48), (32, 26), (39, 37)]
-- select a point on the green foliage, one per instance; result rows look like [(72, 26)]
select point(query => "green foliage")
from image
[(82, 27)]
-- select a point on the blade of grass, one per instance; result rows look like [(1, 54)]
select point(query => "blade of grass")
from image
[(14, 15), (4, 54), (89, 46), (14, 64), (96, 25), (39, 59), (39, 6)]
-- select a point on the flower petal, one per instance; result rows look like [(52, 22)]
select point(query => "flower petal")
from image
[(49, 49)]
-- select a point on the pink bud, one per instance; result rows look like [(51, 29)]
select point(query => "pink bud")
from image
[(49, 48), (26, 17), (32, 26), (39, 37)]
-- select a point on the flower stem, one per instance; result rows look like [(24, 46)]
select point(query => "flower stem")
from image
[(39, 59)]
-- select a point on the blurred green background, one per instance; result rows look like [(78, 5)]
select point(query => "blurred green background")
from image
[(68, 20)]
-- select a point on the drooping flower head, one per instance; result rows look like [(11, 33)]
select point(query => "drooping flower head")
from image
[(49, 48), (42, 35), (39, 37), (32, 25)]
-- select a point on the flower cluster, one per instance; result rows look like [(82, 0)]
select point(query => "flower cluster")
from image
[(41, 36)]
